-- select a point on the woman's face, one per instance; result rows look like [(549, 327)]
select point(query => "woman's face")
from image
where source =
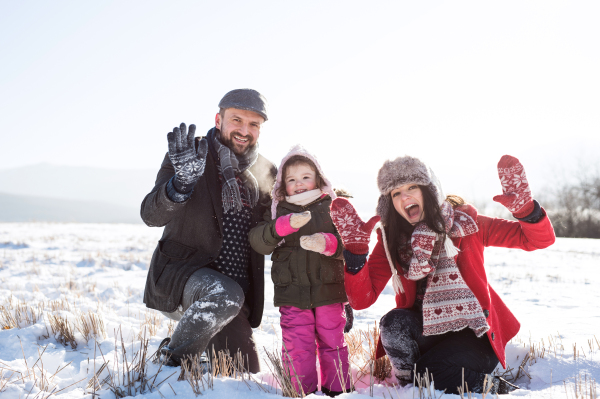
[(408, 202)]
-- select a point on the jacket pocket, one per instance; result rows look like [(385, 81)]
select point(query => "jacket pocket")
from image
[(280, 270), (332, 270), (170, 254)]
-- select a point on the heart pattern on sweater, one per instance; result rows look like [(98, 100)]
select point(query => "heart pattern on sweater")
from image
[(453, 277), (459, 308), (438, 311)]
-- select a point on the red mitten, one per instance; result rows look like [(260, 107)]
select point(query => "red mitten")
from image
[(354, 232), (516, 195)]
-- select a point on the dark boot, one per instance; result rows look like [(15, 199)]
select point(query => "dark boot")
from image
[(404, 377), (163, 355), (502, 387), (333, 394)]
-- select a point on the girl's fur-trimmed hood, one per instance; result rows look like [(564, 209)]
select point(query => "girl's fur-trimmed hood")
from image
[(298, 150)]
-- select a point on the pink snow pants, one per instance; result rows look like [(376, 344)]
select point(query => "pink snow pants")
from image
[(306, 331)]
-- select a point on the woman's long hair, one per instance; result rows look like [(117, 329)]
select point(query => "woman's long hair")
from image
[(398, 230)]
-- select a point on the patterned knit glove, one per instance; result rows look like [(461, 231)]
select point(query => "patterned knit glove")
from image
[(516, 194), (323, 243), (354, 232), (349, 318), (189, 164)]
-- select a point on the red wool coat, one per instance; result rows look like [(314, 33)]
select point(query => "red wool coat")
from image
[(364, 287)]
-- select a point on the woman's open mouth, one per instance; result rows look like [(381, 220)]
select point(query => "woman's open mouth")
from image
[(412, 210), (299, 191)]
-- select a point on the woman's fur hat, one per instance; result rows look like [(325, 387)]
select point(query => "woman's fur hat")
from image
[(401, 171)]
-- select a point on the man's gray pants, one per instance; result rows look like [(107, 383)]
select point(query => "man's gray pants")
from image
[(213, 316)]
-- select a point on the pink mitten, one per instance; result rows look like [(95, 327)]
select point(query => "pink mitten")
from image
[(291, 223), (516, 195), (354, 232), (323, 243)]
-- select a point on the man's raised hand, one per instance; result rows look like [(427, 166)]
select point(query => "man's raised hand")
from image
[(189, 164)]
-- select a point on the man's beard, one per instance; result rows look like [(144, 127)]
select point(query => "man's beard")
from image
[(229, 143)]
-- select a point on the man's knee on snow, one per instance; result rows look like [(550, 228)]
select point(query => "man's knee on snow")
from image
[(221, 305)]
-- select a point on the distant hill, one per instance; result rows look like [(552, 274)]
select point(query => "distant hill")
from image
[(22, 208), (124, 188)]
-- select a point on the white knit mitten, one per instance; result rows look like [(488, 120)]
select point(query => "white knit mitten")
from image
[(315, 242), (298, 220)]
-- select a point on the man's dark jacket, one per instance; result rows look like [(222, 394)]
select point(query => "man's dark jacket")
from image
[(193, 235)]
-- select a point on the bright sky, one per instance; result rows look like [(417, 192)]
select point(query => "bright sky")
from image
[(458, 83)]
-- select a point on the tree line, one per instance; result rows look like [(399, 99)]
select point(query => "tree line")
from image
[(574, 206)]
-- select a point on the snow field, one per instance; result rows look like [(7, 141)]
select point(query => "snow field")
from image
[(53, 273)]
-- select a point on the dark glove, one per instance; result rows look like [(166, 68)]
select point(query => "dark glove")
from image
[(354, 262), (189, 164), (349, 318), (535, 215)]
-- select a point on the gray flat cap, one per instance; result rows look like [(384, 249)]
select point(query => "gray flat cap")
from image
[(247, 99)]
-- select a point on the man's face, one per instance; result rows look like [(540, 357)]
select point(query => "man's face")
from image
[(239, 129)]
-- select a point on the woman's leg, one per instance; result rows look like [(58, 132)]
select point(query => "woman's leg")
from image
[(444, 356), (457, 351), (401, 332), (332, 349), (298, 334)]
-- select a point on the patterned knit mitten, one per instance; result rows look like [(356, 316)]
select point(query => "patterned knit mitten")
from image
[(354, 232), (516, 194), (323, 243)]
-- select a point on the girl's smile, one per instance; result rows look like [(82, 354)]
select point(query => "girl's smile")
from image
[(299, 178)]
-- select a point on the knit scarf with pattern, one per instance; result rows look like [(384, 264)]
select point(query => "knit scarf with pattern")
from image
[(230, 166), (449, 304)]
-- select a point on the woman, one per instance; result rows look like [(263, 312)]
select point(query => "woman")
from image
[(448, 318)]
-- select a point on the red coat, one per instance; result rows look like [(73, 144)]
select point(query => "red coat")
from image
[(364, 287)]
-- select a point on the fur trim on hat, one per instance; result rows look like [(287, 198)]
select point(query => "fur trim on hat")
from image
[(408, 170), (298, 150), (401, 171)]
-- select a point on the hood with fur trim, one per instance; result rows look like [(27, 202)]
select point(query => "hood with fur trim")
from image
[(298, 150), (401, 171)]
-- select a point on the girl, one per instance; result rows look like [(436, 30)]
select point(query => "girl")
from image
[(448, 318), (307, 273)]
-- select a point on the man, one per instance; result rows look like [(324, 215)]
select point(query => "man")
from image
[(209, 193)]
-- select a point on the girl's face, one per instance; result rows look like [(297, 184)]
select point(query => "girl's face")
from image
[(299, 178), (408, 202)]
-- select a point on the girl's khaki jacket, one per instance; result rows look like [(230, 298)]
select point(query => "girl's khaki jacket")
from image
[(302, 278)]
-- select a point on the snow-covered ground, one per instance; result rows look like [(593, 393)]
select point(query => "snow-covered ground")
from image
[(70, 270)]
